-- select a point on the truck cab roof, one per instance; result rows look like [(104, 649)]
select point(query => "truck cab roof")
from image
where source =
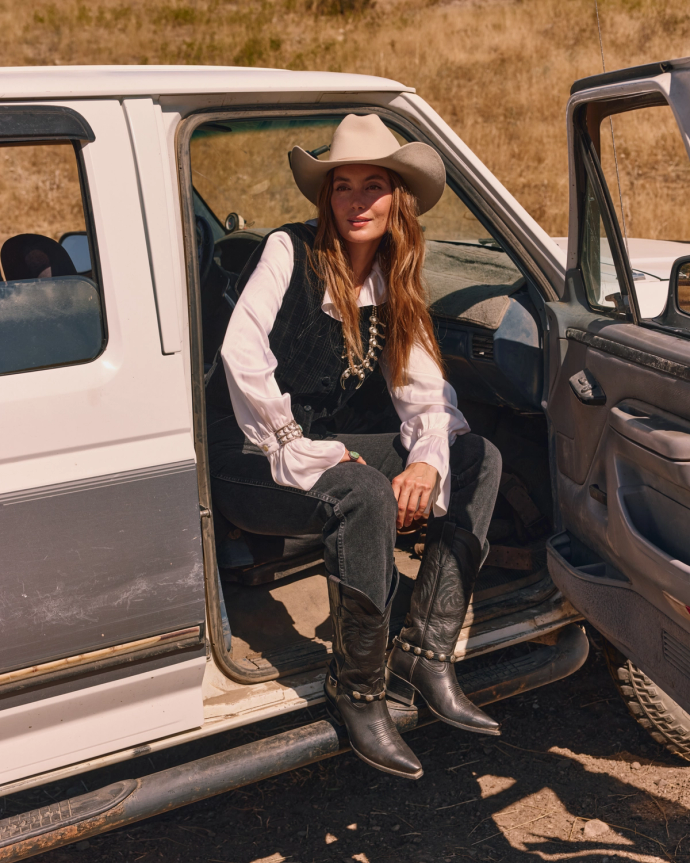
[(49, 82)]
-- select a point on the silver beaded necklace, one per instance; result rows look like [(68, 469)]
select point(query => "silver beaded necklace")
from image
[(358, 369)]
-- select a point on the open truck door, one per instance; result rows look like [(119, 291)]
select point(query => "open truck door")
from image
[(619, 386)]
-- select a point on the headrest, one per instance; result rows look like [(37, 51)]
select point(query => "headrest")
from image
[(32, 256)]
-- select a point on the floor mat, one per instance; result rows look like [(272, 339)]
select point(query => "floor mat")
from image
[(287, 624)]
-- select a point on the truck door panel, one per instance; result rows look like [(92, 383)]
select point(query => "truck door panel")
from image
[(98, 562), (622, 466)]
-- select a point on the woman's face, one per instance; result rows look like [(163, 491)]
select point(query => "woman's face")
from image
[(361, 201)]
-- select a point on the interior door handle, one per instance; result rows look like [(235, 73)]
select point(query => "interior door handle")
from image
[(587, 388), (656, 430)]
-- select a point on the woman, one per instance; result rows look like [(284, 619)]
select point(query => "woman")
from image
[(319, 309)]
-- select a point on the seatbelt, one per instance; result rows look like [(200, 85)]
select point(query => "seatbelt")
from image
[(515, 492), (232, 282), (209, 374)]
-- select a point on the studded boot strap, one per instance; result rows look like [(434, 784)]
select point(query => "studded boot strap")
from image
[(427, 654), (353, 694)]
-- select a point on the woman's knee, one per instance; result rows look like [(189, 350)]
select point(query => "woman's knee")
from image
[(371, 493)]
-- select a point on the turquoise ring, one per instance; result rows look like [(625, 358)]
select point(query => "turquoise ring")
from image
[(354, 456)]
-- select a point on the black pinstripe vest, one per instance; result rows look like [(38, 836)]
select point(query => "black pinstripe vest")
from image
[(306, 342)]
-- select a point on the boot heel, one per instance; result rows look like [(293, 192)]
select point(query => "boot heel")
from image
[(400, 689), (333, 712)]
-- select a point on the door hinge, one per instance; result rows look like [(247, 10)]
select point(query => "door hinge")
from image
[(204, 512)]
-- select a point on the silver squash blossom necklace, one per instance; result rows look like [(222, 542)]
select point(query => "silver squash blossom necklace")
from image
[(358, 369)]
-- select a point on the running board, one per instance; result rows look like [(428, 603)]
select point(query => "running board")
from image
[(123, 803)]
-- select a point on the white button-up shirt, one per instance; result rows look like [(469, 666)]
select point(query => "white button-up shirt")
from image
[(426, 405)]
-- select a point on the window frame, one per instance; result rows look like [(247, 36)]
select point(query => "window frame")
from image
[(595, 177), (68, 127), (587, 126)]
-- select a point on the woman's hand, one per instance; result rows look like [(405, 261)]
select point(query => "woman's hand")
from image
[(346, 457), (412, 489)]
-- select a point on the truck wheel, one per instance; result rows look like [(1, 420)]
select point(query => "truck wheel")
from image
[(653, 709)]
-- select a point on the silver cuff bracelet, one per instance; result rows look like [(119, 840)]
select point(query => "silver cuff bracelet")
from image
[(287, 433)]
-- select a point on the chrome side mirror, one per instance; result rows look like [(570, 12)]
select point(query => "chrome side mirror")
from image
[(76, 244), (677, 311)]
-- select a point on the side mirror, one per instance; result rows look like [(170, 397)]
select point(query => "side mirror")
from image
[(677, 311), (76, 244), (234, 222), (679, 284)]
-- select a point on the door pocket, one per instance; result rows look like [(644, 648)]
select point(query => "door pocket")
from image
[(659, 522), (566, 552)]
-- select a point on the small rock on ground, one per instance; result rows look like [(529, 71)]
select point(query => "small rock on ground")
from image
[(595, 828)]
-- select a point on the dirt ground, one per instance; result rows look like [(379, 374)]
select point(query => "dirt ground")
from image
[(572, 778)]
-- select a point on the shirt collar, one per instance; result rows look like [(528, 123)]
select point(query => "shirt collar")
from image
[(373, 293)]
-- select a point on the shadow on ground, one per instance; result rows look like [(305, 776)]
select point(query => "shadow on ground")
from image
[(572, 778)]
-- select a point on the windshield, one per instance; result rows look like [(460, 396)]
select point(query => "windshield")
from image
[(241, 167)]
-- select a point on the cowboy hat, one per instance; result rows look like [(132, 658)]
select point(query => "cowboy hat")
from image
[(365, 140)]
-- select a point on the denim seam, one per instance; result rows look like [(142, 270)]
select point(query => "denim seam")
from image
[(326, 498), (465, 477), (451, 513), (340, 545)]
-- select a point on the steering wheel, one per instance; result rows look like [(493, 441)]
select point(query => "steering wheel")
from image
[(205, 248)]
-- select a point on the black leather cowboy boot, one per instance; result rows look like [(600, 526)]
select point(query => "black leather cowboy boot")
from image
[(422, 661), (355, 691)]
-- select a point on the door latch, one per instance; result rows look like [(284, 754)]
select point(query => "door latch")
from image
[(587, 388)]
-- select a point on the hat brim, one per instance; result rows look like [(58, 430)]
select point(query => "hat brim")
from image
[(419, 165)]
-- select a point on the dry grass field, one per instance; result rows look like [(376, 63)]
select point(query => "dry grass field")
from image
[(498, 70)]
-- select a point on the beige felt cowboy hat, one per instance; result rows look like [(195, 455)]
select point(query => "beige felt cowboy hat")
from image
[(365, 140)]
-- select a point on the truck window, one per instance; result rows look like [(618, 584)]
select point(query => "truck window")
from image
[(244, 187), (50, 301), (242, 167), (647, 171)]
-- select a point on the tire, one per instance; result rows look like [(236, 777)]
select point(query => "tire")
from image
[(651, 707)]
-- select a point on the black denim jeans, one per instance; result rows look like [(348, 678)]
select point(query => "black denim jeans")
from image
[(352, 505)]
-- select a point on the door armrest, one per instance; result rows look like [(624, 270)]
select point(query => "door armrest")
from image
[(656, 430)]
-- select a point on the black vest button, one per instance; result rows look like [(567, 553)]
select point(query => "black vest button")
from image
[(325, 382)]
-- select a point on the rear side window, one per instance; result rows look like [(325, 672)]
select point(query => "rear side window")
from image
[(51, 311)]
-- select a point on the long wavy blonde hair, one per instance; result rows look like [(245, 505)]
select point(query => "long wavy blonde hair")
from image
[(401, 257)]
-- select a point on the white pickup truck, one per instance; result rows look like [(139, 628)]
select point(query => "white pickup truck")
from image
[(132, 617)]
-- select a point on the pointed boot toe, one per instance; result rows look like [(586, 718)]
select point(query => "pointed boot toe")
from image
[(375, 739), (373, 735), (482, 723), (380, 745), (410, 678)]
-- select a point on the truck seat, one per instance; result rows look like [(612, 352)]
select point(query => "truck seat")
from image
[(252, 559)]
